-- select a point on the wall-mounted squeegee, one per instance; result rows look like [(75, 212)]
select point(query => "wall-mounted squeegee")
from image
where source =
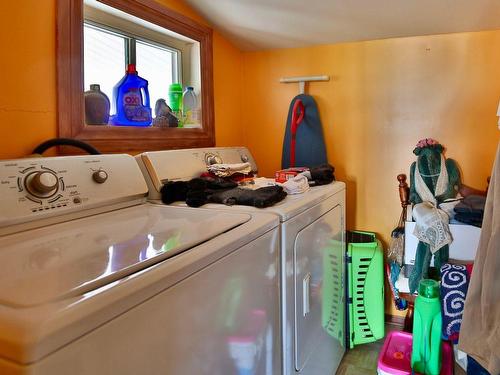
[(302, 81)]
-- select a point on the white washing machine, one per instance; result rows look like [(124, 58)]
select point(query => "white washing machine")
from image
[(312, 256), (95, 280)]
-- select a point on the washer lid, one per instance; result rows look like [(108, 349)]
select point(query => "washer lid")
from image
[(78, 256)]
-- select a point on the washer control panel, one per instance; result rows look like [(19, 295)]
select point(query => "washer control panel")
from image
[(35, 188)]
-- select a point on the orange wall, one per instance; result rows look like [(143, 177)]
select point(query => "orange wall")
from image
[(383, 97), (28, 97), (28, 102)]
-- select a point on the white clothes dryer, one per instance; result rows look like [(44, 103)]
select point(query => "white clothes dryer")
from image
[(95, 280), (312, 255)]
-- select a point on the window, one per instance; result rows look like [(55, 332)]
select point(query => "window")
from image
[(105, 69), (96, 40), (159, 63)]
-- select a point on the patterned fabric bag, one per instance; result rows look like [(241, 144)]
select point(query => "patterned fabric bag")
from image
[(454, 285)]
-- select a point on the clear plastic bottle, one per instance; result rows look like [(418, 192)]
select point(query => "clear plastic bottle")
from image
[(191, 113)]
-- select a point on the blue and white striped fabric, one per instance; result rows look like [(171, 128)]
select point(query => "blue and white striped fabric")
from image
[(454, 285)]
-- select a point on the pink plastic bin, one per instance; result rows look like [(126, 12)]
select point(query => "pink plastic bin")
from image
[(395, 356)]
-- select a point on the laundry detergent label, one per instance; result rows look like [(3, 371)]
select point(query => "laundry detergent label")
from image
[(134, 110)]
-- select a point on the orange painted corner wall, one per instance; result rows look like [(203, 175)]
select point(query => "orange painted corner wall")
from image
[(382, 98), (28, 64), (228, 68), (28, 101)]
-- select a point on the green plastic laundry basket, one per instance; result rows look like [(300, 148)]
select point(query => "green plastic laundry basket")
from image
[(333, 309), (365, 270)]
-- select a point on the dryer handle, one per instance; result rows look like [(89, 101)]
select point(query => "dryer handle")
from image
[(306, 301)]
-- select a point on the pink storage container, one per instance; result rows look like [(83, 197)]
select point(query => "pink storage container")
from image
[(395, 356)]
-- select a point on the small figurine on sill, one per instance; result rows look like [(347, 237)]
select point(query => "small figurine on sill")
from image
[(164, 116), (434, 184)]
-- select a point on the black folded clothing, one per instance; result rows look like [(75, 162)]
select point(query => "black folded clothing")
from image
[(469, 220), (195, 191), (260, 198), (322, 175), (471, 204), (471, 210), (174, 191)]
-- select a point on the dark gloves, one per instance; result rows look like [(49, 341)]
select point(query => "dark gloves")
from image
[(195, 192), (260, 198), (174, 191)]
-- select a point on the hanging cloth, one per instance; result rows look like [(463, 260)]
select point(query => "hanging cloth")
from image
[(480, 330), (304, 144), (431, 222), (441, 185)]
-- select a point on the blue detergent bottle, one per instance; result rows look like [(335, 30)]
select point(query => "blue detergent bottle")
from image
[(131, 100)]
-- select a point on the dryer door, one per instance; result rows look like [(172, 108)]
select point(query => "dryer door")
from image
[(319, 293)]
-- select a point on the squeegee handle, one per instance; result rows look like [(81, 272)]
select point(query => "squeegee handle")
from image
[(298, 113)]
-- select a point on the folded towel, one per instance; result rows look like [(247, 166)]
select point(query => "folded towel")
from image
[(471, 210), (225, 170), (471, 204), (257, 183), (466, 219), (296, 185)]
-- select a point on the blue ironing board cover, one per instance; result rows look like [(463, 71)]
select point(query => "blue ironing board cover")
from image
[(310, 148)]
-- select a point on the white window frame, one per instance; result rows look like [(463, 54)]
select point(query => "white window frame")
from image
[(131, 39)]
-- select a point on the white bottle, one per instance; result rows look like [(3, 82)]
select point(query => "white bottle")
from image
[(190, 108)]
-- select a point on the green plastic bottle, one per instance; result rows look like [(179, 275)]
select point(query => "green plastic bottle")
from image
[(175, 101), (426, 351)]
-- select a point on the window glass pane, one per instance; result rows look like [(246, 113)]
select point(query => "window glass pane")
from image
[(104, 59), (155, 64)]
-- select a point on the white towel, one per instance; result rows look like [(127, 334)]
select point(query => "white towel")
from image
[(431, 226), (257, 183), (296, 185), (225, 170)]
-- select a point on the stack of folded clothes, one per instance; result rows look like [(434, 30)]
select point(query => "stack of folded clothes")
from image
[(471, 210), (199, 191), (224, 183)]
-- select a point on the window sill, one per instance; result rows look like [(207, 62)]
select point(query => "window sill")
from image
[(109, 139)]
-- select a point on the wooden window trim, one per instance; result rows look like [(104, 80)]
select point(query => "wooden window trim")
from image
[(70, 88)]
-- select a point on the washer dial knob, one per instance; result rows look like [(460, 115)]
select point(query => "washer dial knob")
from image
[(100, 176), (43, 183), (211, 159)]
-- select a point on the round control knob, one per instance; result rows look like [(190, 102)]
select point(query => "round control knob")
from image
[(211, 159), (100, 176), (43, 183), (244, 158)]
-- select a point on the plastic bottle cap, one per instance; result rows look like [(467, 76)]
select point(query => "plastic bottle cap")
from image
[(175, 87), (131, 69), (95, 87), (190, 88), (428, 288)]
